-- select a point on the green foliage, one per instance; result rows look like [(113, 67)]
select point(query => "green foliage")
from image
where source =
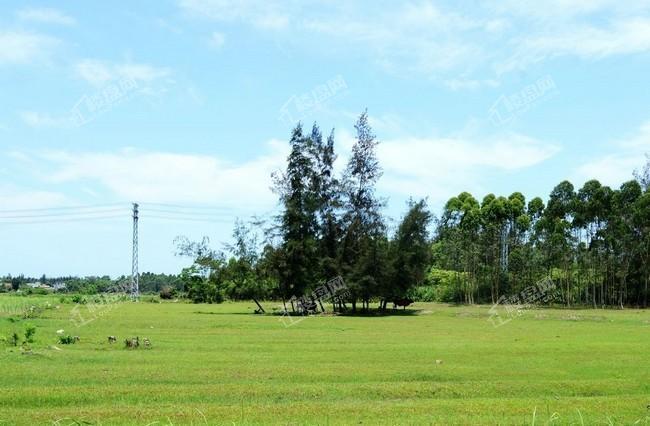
[(79, 299), (33, 311), (14, 339), (410, 250), (202, 289), (30, 331), (297, 223), (68, 339), (167, 293), (594, 243), (440, 286)]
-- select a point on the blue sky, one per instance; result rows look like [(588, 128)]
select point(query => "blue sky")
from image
[(190, 103)]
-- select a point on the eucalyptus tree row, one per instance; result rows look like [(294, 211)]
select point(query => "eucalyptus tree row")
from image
[(593, 242)]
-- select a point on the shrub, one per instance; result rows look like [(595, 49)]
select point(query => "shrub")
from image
[(78, 299), (30, 331), (167, 293), (32, 312), (68, 340), (14, 339), (424, 294)]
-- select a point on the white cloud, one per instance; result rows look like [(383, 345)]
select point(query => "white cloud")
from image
[(617, 167), (14, 198), (267, 15), (456, 84), (566, 10), (433, 167), (24, 47), (140, 72), (609, 170), (149, 176), (217, 40), (99, 73), (439, 167), (37, 119), (414, 38), (480, 42), (272, 22), (45, 15), (621, 37), (94, 72)]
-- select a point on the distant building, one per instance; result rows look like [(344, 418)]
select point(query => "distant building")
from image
[(40, 285)]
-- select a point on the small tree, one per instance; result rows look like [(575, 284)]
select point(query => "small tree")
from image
[(410, 250)]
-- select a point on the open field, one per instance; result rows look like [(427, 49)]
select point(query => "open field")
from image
[(219, 364)]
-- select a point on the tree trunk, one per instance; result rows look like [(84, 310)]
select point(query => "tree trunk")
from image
[(259, 306)]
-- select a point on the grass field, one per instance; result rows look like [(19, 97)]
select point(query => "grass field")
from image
[(220, 364)]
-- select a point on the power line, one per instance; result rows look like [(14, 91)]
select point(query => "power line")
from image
[(185, 218), (186, 212), (71, 213), (96, 206), (187, 207), (61, 220)]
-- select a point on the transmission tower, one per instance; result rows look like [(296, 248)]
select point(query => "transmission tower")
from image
[(135, 277)]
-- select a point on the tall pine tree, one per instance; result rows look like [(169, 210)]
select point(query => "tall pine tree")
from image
[(364, 231)]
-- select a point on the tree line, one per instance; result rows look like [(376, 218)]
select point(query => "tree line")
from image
[(593, 241), (149, 283)]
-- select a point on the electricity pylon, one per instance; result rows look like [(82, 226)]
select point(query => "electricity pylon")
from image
[(135, 276)]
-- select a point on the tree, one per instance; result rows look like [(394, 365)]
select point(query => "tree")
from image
[(624, 240), (410, 251), (641, 219), (458, 236), (298, 220), (556, 228), (643, 176), (329, 202), (240, 273), (203, 281), (364, 230)]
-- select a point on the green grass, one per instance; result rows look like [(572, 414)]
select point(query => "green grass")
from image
[(219, 364)]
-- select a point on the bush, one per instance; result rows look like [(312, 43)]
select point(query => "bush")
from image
[(78, 299), (14, 339), (30, 331), (167, 293), (68, 340), (32, 312), (441, 286), (424, 294)]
